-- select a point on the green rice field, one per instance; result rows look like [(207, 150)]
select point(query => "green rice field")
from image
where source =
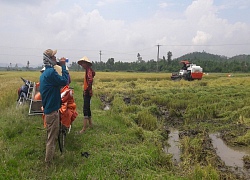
[(133, 116)]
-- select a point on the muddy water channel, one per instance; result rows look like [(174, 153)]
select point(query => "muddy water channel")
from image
[(173, 148), (231, 156)]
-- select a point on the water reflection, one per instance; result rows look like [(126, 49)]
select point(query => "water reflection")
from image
[(230, 155), (173, 141), (106, 108)]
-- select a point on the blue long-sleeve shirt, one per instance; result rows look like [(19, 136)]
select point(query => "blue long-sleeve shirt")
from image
[(50, 86)]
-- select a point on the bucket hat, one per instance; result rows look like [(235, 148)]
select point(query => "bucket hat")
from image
[(50, 52), (84, 59)]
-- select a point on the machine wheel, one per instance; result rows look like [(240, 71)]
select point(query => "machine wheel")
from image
[(176, 78), (189, 77)]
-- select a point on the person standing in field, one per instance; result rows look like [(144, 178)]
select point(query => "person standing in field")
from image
[(50, 86), (87, 91)]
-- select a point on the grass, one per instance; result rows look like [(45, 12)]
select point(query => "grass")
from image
[(126, 142)]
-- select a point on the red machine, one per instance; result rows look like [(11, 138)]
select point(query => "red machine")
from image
[(188, 72)]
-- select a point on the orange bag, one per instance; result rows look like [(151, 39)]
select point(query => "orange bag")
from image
[(38, 96)]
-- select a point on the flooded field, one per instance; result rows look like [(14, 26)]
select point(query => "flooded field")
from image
[(174, 145), (232, 156), (190, 111)]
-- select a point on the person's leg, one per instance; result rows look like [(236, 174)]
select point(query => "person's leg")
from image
[(90, 122), (86, 109), (89, 113), (52, 121), (85, 121)]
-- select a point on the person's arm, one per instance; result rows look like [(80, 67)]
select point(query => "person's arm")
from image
[(61, 80), (69, 79), (89, 79)]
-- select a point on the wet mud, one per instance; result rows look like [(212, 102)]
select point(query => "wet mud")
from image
[(172, 118), (229, 161), (173, 146), (106, 102), (232, 156)]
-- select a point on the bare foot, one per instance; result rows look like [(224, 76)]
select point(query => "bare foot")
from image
[(82, 131)]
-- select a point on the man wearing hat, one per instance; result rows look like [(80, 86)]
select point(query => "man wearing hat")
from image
[(50, 85), (87, 91)]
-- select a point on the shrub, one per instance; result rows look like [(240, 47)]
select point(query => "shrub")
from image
[(140, 134), (146, 120), (118, 104), (131, 109)]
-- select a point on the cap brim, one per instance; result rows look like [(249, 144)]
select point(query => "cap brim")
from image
[(83, 61), (80, 62), (54, 52)]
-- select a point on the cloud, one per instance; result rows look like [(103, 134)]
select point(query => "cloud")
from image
[(232, 4), (163, 5), (200, 8), (106, 2), (201, 38), (77, 30)]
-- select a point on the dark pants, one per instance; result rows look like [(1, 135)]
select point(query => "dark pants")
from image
[(86, 105)]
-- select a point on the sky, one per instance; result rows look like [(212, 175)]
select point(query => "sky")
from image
[(120, 29)]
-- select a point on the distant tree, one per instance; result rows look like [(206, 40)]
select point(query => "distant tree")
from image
[(74, 66), (209, 63), (142, 68), (28, 65), (139, 58), (169, 56), (110, 63), (164, 59)]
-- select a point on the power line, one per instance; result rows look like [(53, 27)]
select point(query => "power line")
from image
[(20, 51), (234, 44), (242, 44)]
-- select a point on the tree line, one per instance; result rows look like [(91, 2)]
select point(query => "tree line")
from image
[(209, 63)]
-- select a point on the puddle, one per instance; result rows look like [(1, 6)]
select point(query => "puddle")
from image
[(105, 102), (173, 141), (232, 156), (106, 108)]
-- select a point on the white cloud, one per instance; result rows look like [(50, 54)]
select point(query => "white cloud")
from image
[(163, 5), (76, 31), (106, 2), (201, 38), (200, 8)]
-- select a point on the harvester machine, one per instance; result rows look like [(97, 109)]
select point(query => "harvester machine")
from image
[(189, 72)]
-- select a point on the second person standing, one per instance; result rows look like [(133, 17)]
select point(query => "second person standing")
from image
[(87, 91)]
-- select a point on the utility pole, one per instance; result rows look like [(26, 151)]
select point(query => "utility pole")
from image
[(100, 56), (158, 51)]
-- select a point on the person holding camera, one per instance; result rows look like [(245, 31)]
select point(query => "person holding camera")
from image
[(50, 86)]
